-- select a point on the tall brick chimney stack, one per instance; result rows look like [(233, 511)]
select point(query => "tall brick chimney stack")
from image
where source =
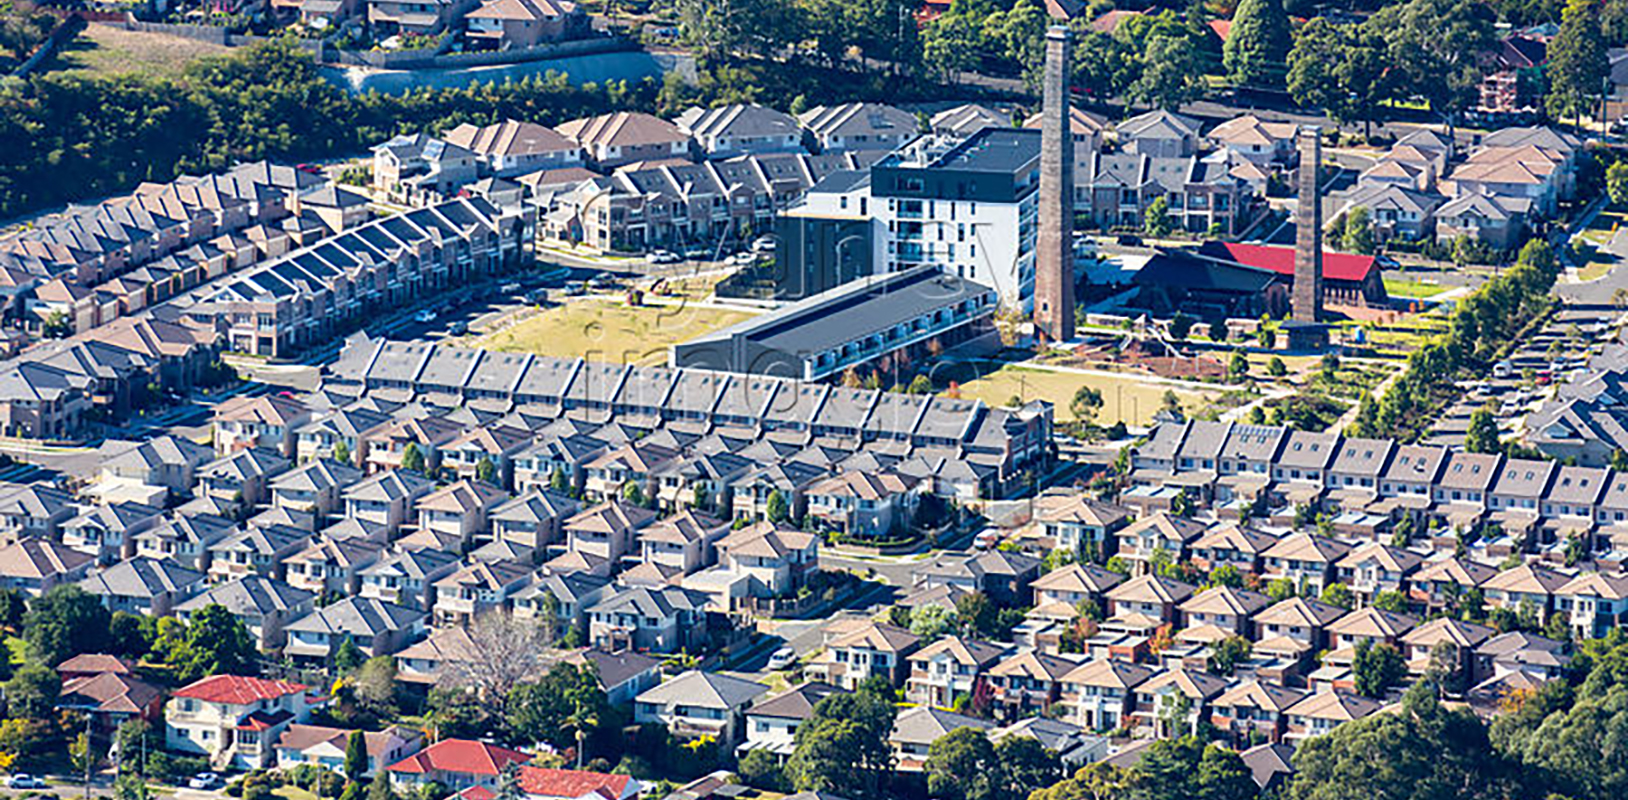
[(1308, 240), (1054, 259)]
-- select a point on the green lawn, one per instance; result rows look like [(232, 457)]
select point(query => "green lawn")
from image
[(603, 330), (106, 50), (1130, 398), (293, 793), (1406, 287)]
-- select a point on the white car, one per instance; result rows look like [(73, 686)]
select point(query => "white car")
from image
[(782, 658), (425, 316), (763, 244), (204, 780), (23, 780)]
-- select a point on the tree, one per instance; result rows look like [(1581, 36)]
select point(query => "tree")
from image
[(504, 650), (348, 657), (1616, 183), (1434, 47), (1025, 766), (127, 634), (931, 622), (562, 709), (1578, 66), (215, 643), (1258, 45), (412, 458), (486, 471), (976, 613), (1085, 404), (921, 384), (1338, 594), (1276, 368), (374, 685), (12, 609), (65, 622), (1358, 236), (1392, 601), (1171, 73), (843, 747), (557, 481), (1227, 654), (1339, 68), (1238, 367), (1156, 218), (1376, 668), (342, 452), (356, 756), (380, 789), (1421, 752), (633, 493), (1170, 403), (961, 765), (776, 507), (1482, 437), (950, 42), (760, 769), (32, 692)]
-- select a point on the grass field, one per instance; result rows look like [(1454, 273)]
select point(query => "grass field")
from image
[(1129, 398), (603, 330), (293, 793), (105, 50), (1403, 287)]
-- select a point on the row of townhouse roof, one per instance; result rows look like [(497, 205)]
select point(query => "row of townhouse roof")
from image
[(1425, 576), (755, 407), (1513, 179), (305, 297), (95, 263), (1230, 464)]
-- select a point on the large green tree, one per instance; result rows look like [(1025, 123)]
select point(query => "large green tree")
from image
[(1423, 751), (1435, 48), (65, 622), (1257, 46), (215, 643), (843, 747), (32, 692), (1578, 66), (559, 707), (961, 765), (1171, 72)]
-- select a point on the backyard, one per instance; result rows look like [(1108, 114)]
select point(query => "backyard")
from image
[(106, 50), (609, 330)]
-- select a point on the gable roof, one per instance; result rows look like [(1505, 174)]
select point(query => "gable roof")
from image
[(704, 690), (237, 690), (460, 756)]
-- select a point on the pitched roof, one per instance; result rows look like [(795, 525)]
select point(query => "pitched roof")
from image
[(622, 129), (511, 137), (1278, 259), (570, 783), (460, 756), (237, 690), (796, 703), (704, 690)]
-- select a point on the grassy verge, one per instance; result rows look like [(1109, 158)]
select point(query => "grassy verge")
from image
[(1403, 287)]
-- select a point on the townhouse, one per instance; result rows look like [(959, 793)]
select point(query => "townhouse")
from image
[(947, 669), (696, 704), (375, 627)]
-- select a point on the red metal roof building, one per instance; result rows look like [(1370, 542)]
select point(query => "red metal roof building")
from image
[(1348, 278)]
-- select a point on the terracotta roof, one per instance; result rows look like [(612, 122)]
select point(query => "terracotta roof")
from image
[(461, 756), (237, 689), (545, 782), (95, 663)]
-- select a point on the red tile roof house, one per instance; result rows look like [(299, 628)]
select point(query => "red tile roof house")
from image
[(233, 720), (540, 783), (455, 763)]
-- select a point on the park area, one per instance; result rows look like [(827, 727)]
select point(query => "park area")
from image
[(609, 330), (104, 50), (1132, 399)]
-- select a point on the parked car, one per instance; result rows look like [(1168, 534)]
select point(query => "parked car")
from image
[(509, 288), (204, 780), (426, 316), (458, 328), (782, 658), (663, 257), (743, 259), (986, 540), (1128, 240), (23, 780), (763, 244)]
